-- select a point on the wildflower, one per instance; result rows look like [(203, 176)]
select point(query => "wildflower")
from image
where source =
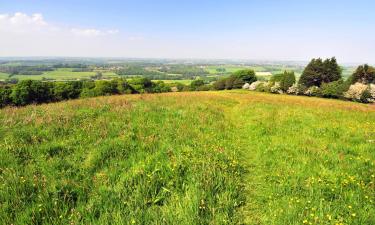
[(305, 221), (353, 214)]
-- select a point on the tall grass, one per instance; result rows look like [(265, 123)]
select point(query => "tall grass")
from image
[(188, 158)]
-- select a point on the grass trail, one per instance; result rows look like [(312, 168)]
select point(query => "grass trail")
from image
[(308, 161)]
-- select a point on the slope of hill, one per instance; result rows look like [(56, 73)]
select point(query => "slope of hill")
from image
[(188, 158)]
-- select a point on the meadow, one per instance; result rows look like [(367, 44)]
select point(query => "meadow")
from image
[(229, 157)]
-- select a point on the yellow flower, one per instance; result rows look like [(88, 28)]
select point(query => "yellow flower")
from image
[(305, 221), (353, 214)]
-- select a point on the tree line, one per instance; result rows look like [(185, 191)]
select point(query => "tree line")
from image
[(323, 78), (35, 92)]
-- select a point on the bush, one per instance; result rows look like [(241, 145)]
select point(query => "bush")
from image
[(220, 84), (264, 87), (313, 91), (245, 76), (360, 93), (296, 89), (334, 89), (5, 98), (66, 90), (160, 87), (29, 91), (196, 84), (285, 80), (276, 88), (254, 85)]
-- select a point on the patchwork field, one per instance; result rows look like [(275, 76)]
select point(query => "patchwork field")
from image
[(230, 157)]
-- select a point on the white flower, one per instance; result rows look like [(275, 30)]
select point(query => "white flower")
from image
[(276, 88), (355, 91), (246, 86), (293, 90), (253, 86), (313, 90)]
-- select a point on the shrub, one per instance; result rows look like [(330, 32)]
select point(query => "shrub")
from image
[(160, 87), (285, 80), (245, 76), (334, 89), (276, 88), (30, 91), (219, 85), (196, 84), (5, 98), (372, 91), (66, 90), (264, 87), (246, 86), (360, 93), (294, 90), (253, 86), (313, 91)]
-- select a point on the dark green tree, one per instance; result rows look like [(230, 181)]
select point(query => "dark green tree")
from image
[(196, 84), (363, 74), (319, 71), (219, 85), (286, 80), (5, 98), (29, 91), (246, 76)]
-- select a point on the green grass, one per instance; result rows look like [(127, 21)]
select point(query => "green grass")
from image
[(3, 76), (228, 157), (185, 82), (62, 74)]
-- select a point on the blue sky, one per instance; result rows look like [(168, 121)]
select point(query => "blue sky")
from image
[(237, 29)]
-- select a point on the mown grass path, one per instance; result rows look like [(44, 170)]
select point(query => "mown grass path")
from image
[(308, 161)]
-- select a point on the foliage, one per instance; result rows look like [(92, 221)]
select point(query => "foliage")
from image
[(285, 80), (334, 89), (313, 91), (32, 91), (196, 84), (360, 92), (364, 74), (28, 92), (236, 80), (220, 84), (5, 98), (319, 71)]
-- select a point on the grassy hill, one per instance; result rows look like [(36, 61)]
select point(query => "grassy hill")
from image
[(188, 158)]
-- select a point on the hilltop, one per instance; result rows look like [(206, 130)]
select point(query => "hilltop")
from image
[(224, 157)]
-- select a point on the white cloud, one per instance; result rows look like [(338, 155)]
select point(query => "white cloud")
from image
[(23, 23), (92, 32)]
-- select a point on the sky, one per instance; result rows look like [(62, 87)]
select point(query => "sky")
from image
[(201, 29)]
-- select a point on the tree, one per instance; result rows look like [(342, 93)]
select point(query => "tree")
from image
[(29, 91), (364, 74), (247, 76), (196, 84), (318, 72), (5, 98), (219, 85), (288, 79)]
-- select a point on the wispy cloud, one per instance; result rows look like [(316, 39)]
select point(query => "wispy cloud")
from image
[(92, 32)]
